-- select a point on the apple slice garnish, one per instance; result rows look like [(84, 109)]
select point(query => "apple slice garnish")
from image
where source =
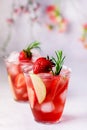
[(12, 87), (31, 96), (39, 87)]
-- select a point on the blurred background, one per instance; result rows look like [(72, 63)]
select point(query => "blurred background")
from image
[(57, 24)]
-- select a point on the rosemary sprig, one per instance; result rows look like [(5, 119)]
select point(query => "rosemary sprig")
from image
[(31, 46), (58, 62)]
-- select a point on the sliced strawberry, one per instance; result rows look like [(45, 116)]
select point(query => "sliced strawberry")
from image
[(20, 81)]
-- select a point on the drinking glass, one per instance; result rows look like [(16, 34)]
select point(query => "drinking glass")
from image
[(16, 79), (47, 94)]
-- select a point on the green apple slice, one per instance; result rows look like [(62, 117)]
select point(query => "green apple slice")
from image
[(39, 87)]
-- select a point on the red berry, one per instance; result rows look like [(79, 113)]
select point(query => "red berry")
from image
[(26, 54), (23, 56), (42, 65), (19, 81)]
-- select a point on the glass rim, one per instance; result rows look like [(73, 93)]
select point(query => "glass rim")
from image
[(6, 59), (27, 70), (65, 72)]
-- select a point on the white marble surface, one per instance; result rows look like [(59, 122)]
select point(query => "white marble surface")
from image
[(15, 115)]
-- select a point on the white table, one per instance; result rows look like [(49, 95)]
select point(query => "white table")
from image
[(18, 116)]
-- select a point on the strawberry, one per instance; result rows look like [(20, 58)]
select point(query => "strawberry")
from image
[(26, 54), (42, 65), (23, 56), (20, 81)]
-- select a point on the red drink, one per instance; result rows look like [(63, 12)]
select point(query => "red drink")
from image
[(47, 104), (16, 76), (16, 80)]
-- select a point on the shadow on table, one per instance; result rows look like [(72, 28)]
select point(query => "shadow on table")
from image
[(70, 118)]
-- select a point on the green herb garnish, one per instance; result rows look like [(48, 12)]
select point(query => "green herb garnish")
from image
[(31, 46), (58, 62)]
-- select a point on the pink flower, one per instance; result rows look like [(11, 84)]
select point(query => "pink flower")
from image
[(10, 20), (63, 25), (85, 26), (50, 8), (17, 10), (82, 39)]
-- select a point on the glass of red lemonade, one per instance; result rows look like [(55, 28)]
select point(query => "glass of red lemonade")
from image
[(15, 62), (47, 90)]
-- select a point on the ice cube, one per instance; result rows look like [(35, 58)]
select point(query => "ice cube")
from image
[(47, 107), (13, 69), (63, 96), (65, 72), (66, 68), (13, 57)]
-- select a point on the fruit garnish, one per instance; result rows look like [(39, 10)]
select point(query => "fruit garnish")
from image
[(39, 87), (20, 81), (26, 54), (11, 86), (31, 96), (42, 64), (58, 62)]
